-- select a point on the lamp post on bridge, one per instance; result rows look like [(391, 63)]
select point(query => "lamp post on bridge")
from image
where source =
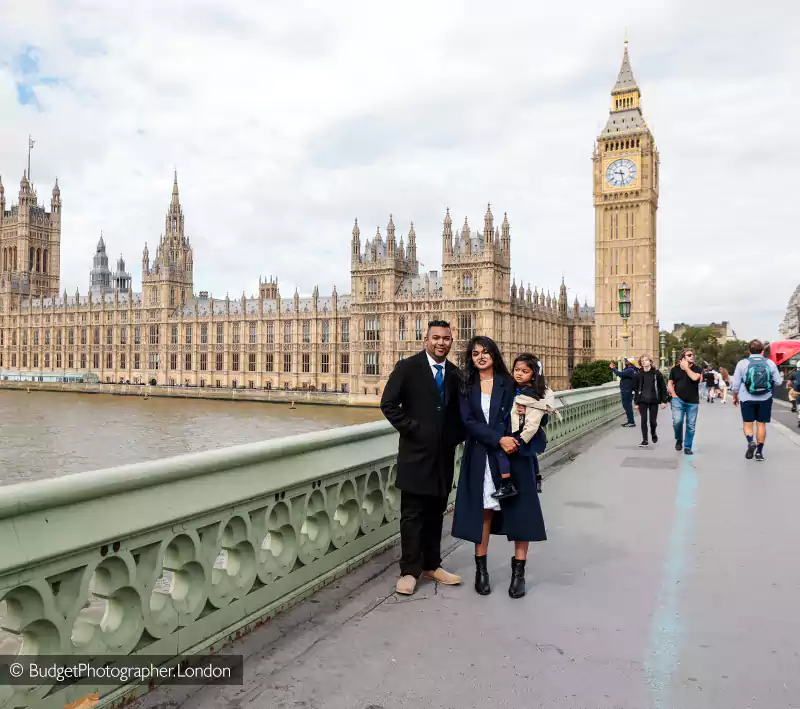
[(624, 301), (663, 349)]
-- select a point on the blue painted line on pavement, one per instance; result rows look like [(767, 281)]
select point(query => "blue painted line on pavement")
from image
[(667, 628)]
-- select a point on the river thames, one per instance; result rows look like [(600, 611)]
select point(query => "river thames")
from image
[(46, 434)]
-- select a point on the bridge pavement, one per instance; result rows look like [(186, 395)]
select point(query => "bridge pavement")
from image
[(667, 581)]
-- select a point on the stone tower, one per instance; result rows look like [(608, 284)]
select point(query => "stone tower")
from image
[(625, 164), (168, 282), (30, 242), (100, 275), (476, 277)]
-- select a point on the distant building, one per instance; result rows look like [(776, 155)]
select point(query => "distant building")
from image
[(723, 331), (167, 335), (790, 327)]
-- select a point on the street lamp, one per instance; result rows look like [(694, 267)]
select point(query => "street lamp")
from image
[(624, 301), (663, 349)]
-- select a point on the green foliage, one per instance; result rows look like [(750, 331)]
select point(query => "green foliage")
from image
[(707, 348), (590, 374)]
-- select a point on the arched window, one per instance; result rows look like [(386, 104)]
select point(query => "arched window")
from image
[(15, 258), (38, 260), (44, 261), (372, 287), (31, 258)]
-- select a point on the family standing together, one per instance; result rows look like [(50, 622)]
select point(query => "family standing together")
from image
[(499, 415)]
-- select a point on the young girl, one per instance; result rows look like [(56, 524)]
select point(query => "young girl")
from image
[(533, 403)]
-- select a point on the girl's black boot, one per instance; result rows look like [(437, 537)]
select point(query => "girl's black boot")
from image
[(482, 576), (517, 587)]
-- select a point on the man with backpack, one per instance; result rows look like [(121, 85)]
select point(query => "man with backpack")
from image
[(754, 381)]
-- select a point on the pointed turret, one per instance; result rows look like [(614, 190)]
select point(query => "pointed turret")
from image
[(356, 243), (447, 236), (412, 244), (3, 198), (488, 225), (391, 244), (55, 199), (626, 114), (625, 80), (505, 238), (514, 289), (175, 203)]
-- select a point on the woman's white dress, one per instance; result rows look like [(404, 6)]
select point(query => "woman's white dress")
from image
[(489, 503)]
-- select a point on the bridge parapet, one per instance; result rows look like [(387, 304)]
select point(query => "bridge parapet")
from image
[(181, 555)]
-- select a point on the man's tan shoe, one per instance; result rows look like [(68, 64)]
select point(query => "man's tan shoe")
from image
[(406, 585), (443, 577)]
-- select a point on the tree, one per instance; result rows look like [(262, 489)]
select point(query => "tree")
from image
[(730, 354), (707, 348), (590, 374)]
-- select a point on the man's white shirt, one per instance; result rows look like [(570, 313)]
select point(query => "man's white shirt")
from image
[(432, 363)]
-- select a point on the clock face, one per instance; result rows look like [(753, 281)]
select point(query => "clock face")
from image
[(621, 173)]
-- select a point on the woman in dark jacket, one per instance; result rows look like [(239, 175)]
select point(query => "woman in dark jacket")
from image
[(487, 396), (649, 391)]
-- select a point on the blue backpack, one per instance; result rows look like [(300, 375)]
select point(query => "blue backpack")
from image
[(758, 378)]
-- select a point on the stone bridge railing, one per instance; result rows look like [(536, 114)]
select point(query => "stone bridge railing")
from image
[(179, 556)]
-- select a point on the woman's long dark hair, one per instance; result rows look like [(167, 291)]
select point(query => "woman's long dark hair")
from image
[(532, 361), (469, 372)]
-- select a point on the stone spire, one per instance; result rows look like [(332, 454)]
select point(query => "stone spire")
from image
[(355, 251), (488, 226), (175, 202), (625, 80), (447, 234), (391, 243)]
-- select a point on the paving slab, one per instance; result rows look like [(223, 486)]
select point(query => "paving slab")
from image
[(667, 581)]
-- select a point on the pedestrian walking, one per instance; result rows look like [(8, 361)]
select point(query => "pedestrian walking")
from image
[(649, 392), (421, 401), (710, 382), (754, 382), (684, 388), (626, 375), (487, 398), (724, 384), (793, 384)]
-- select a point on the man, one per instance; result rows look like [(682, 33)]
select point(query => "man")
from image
[(684, 388), (626, 375), (754, 380), (793, 385), (421, 401)]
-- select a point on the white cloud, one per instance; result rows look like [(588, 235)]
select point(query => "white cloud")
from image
[(285, 121)]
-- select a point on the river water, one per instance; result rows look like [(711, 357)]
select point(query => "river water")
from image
[(46, 434)]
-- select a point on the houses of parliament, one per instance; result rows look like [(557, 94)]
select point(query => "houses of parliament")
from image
[(170, 335)]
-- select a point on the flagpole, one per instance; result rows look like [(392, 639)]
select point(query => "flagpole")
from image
[(29, 157)]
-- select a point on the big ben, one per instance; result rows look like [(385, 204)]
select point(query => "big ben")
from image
[(625, 165)]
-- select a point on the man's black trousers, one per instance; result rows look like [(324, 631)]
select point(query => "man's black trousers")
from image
[(421, 518)]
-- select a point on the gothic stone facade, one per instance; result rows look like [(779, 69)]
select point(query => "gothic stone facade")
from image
[(625, 166), (168, 335)]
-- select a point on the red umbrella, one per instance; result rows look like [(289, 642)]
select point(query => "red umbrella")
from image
[(780, 352)]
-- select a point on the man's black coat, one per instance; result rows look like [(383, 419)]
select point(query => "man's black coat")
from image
[(429, 429)]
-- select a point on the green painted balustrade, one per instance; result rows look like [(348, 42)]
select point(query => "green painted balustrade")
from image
[(179, 556)]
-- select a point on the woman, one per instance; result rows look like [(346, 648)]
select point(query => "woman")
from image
[(649, 390), (724, 383), (487, 395)]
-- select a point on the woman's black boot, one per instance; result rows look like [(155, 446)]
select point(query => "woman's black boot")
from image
[(517, 587), (482, 576)]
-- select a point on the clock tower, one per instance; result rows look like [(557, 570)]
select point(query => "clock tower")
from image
[(625, 166)]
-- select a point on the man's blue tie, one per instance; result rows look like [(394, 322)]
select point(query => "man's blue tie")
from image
[(439, 379)]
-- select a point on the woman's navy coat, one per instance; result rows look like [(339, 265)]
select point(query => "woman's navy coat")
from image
[(520, 517)]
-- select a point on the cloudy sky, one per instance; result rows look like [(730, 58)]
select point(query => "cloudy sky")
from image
[(287, 120)]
